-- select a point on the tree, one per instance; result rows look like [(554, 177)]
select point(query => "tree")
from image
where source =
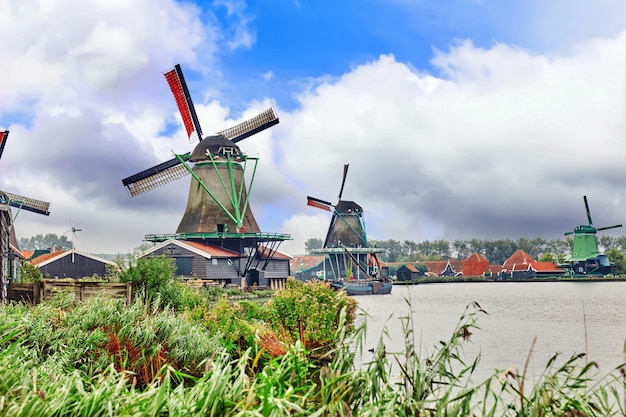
[(619, 261), (312, 243), (48, 241)]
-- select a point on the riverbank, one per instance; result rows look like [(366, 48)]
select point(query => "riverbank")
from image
[(555, 278)]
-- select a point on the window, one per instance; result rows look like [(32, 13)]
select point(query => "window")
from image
[(183, 265)]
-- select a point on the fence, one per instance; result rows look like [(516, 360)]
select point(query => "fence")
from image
[(46, 289)]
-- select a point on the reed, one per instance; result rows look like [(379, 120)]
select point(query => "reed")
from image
[(103, 358)]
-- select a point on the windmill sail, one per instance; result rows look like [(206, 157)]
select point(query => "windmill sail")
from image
[(25, 203), (3, 140), (177, 84), (156, 176), (251, 126), (316, 202)]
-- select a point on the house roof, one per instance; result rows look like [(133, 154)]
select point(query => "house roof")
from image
[(265, 252), (304, 263), (16, 251), (547, 267), (475, 257), (410, 267), (518, 257), (208, 251), (45, 259)]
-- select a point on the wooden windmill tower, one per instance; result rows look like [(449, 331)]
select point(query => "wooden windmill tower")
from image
[(7, 231), (218, 210), (346, 244)]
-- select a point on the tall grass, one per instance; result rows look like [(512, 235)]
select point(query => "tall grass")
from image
[(60, 359)]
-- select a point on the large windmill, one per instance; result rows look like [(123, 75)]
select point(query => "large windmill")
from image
[(218, 210), (346, 247), (585, 257), (7, 231)]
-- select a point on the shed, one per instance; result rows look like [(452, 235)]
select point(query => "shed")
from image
[(71, 264)]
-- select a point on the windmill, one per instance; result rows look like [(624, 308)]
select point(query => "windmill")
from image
[(7, 232), (218, 208), (345, 246), (73, 229), (585, 257), (346, 226)]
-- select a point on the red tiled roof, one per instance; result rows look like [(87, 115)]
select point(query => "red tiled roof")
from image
[(519, 257), (546, 267), (410, 267), (475, 265), (304, 263), (494, 269), (46, 256), (265, 251), (213, 251), (28, 253)]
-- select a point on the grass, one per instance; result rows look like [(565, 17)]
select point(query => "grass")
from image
[(102, 358)]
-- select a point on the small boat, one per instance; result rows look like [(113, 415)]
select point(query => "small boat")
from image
[(363, 286)]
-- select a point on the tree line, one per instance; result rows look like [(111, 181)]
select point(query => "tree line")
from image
[(496, 251)]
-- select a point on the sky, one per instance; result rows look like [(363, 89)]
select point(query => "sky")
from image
[(459, 119)]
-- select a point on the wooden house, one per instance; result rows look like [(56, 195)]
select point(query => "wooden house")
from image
[(308, 267), (196, 260), (444, 268), (521, 265), (71, 264), (407, 273)]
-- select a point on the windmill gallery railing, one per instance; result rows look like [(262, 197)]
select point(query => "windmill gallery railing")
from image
[(40, 291)]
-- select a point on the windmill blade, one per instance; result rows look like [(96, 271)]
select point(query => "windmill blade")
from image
[(610, 227), (251, 126), (343, 181), (3, 140), (25, 203), (177, 84), (316, 202), (588, 212), (156, 176)]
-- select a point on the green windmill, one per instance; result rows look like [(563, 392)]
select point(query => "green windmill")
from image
[(585, 258)]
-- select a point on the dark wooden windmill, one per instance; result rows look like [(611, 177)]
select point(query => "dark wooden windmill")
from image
[(345, 246), (218, 210), (7, 231), (346, 226)]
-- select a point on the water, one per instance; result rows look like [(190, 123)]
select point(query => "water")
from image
[(564, 317)]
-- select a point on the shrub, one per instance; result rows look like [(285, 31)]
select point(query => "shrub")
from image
[(309, 312), (30, 273)]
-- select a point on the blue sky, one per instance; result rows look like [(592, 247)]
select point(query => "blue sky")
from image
[(459, 119)]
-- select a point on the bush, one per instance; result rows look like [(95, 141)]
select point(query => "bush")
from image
[(30, 273)]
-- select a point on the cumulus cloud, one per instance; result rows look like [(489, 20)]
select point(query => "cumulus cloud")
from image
[(504, 143), (493, 142)]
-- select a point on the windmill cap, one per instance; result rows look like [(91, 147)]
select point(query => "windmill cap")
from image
[(215, 145)]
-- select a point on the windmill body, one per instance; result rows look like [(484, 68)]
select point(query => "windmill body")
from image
[(218, 210), (586, 259), (219, 166)]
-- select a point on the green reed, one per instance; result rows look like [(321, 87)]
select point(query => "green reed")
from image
[(59, 359)]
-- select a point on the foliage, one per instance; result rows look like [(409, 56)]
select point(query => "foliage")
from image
[(30, 273), (551, 257), (618, 259), (152, 277), (312, 243), (496, 251), (48, 241), (51, 364), (309, 312)]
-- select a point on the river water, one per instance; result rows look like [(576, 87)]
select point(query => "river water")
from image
[(563, 317)]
